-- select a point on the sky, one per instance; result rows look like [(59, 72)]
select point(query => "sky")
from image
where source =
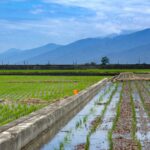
[(25, 24)]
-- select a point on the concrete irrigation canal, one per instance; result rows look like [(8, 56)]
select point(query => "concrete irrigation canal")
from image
[(112, 114)]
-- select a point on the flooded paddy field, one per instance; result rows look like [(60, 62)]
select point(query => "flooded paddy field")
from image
[(22, 95), (118, 117)]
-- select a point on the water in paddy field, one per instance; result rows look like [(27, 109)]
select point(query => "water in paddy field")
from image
[(74, 134)]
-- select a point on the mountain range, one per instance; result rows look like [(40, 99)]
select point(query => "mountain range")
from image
[(129, 48)]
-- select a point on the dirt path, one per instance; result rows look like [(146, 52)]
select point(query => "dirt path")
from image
[(122, 135)]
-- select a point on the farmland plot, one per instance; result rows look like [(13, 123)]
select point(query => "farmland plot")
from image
[(42, 87), (21, 95), (117, 118)]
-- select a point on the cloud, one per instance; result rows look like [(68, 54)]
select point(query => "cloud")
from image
[(37, 11), (89, 4), (111, 8), (64, 21)]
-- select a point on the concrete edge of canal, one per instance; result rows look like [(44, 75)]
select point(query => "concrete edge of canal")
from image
[(22, 131)]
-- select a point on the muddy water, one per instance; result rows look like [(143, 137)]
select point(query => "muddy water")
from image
[(75, 131), (143, 121), (99, 140)]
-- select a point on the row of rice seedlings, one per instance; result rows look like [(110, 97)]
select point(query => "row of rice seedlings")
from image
[(6, 89), (147, 88), (15, 111), (142, 120), (141, 97), (99, 119), (19, 91), (92, 110), (65, 141), (116, 119), (134, 120), (79, 124), (105, 92)]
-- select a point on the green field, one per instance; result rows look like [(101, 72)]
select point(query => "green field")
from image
[(75, 71), (21, 95)]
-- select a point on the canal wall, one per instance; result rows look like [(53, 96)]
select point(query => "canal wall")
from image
[(19, 133)]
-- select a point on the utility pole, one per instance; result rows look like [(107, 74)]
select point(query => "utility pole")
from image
[(139, 60), (118, 61)]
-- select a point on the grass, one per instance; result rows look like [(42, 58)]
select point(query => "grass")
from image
[(74, 71)]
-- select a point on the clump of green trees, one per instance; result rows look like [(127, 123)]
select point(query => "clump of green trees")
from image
[(104, 60)]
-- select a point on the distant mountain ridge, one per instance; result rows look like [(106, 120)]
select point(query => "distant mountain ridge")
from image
[(15, 56), (126, 48)]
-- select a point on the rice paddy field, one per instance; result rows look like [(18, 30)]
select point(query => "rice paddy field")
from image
[(21, 95), (117, 118)]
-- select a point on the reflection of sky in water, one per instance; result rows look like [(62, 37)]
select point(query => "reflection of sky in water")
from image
[(99, 139), (76, 130), (142, 135)]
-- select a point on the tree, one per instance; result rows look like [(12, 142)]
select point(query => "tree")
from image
[(104, 60), (93, 63)]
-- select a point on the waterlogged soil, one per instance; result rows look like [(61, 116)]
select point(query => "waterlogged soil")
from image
[(80, 147), (73, 135), (132, 98), (143, 120), (99, 139), (145, 95), (122, 138), (131, 76)]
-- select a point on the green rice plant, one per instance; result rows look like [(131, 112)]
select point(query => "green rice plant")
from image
[(15, 89), (116, 118), (61, 146), (99, 118), (87, 145), (141, 98), (15, 111), (78, 124), (48, 88), (134, 121), (85, 119)]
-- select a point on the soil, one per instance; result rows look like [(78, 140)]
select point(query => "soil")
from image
[(131, 76), (95, 121), (34, 101), (122, 138), (80, 147), (45, 81)]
